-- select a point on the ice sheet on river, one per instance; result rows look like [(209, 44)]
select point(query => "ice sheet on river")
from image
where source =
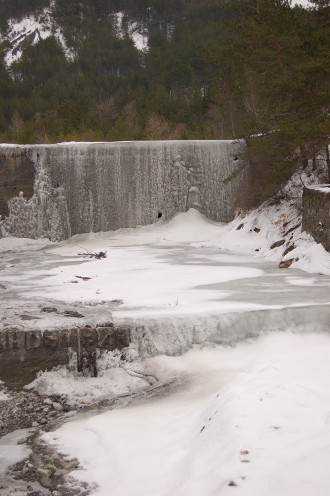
[(162, 280)]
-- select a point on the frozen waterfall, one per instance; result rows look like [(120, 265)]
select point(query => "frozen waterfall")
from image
[(92, 187)]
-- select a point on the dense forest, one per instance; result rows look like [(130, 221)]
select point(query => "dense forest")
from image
[(218, 69)]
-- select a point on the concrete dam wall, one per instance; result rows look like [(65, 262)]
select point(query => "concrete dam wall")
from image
[(92, 187)]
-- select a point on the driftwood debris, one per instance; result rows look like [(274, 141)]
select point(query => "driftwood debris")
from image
[(98, 255)]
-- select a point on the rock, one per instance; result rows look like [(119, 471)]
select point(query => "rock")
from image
[(44, 472), (83, 278), (277, 244), (57, 406), (285, 264), (244, 452), (288, 249), (239, 227), (48, 401), (292, 229), (106, 337), (123, 337), (72, 464), (256, 229), (51, 340), (27, 317), (88, 338), (49, 310), (16, 339), (35, 424), (73, 313), (116, 303), (51, 468), (46, 482), (3, 342), (62, 472), (33, 340), (316, 218)]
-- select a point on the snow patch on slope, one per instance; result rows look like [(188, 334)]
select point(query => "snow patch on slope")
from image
[(32, 28), (137, 33), (302, 3)]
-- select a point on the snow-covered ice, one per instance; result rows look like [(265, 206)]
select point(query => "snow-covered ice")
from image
[(174, 273), (255, 416), (166, 283)]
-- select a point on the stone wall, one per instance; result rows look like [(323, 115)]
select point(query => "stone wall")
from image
[(316, 214), (24, 353)]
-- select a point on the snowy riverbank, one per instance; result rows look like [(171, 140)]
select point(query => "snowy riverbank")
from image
[(252, 418)]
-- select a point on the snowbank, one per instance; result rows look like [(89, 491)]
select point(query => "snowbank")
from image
[(273, 230), (251, 419)]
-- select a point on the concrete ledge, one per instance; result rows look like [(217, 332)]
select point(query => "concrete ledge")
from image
[(24, 354)]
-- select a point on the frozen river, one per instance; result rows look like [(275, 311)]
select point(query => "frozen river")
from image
[(252, 417), (162, 273)]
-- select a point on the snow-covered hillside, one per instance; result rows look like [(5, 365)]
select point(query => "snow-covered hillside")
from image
[(39, 26), (274, 230), (31, 30)]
